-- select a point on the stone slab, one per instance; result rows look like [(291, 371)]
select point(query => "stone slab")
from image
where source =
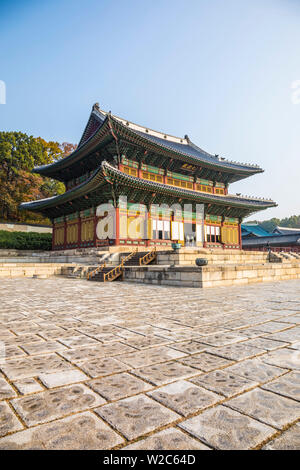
[(289, 440), (267, 407), (226, 429), (118, 386), (159, 374), (6, 391), (83, 431), (58, 379), (136, 416), (101, 367), (54, 404), (256, 369), (27, 386), (286, 358), (169, 439), (150, 356), (184, 397), (206, 362), (8, 421), (224, 382), (287, 385), (32, 366)]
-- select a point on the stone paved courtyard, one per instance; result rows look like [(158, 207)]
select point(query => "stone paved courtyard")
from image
[(120, 366)]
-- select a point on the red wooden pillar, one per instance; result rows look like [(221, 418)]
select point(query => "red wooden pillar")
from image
[(240, 234), (79, 232), (65, 234), (117, 226), (148, 219), (95, 230), (53, 236)]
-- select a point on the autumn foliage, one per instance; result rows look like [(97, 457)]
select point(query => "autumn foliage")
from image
[(19, 153)]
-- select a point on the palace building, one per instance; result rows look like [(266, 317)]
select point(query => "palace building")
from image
[(155, 184)]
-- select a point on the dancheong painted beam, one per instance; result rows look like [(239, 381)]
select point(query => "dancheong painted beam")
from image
[(155, 183)]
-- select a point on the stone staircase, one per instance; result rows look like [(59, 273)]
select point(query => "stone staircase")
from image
[(135, 259), (108, 272)]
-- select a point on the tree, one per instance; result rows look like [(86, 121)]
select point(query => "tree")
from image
[(269, 225), (19, 153)]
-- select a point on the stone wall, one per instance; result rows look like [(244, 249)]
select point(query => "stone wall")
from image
[(212, 276), (25, 228), (12, 270), (187, 257)]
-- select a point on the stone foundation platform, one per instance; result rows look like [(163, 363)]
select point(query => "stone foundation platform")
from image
[(213, 275)]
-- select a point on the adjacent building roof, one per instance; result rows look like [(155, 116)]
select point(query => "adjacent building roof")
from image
[(254, 230), (286, 230)]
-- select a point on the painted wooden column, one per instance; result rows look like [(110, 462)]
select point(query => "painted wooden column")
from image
[(148, 224), (79, 232), (95, 230), (53, 236), (195, 184), (240, 233), (117, 226), (222, 225), (65, 234)]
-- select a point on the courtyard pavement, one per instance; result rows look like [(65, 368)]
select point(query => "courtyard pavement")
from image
[(86, 365)]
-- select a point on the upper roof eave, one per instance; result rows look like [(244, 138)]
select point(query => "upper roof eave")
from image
[(181, 146)]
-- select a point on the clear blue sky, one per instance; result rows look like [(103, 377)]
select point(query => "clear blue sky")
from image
[(218, 70)]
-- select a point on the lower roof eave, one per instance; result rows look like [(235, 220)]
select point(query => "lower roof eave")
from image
[(108, 175)]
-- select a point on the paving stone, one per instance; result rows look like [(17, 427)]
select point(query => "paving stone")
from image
[(83, 431), (144, 342), (289, 440), (42, 347), (222, 339), (82, 354), (267, 407), (118, 386), (236, 352), (31, 366), (169, 439), (124, 318), (102, 367), (205, 361), (287, 358), (265, 343), (224, 382), (7, 352), (184, 397), (226, 429), (190, 347), (8, 421), (6, 391), (53, 404), (58, 379), (272, 326), (27, 386), (291, 336), (256, 369), (79, 340), (136, 415), (150, 356), (159, 374), (287, 385)]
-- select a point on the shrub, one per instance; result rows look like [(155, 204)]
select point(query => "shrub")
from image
[(25, 240)]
